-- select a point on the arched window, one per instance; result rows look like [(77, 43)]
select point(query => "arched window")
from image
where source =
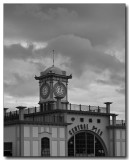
[(86, 144), (45, 147)]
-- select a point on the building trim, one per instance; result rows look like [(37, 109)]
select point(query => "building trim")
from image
[(116, 127), (51, 75), (71, 112), (35, 123)]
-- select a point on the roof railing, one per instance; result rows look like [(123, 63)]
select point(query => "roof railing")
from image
[(119, 122), (72, 107)]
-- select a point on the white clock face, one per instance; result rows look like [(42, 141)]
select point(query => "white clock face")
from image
[(44, 90), (59, 90)]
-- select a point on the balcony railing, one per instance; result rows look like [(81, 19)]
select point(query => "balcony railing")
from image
[(119, 122)]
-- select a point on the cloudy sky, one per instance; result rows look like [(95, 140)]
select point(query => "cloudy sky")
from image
[(89, 42)]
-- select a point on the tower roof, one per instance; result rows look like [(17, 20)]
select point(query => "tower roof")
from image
[(55, 70)]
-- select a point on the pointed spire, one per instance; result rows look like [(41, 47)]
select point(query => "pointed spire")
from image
[(53, 58)]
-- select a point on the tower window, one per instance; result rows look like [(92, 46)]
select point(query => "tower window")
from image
[(81, 119), (98, 120), (72, 119), (90, 120)]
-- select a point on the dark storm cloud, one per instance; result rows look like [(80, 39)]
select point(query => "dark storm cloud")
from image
[(98, 23)]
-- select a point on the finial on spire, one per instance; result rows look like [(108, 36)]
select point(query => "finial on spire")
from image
[(53, 58)]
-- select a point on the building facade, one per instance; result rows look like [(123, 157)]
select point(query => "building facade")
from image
[(59, 128)]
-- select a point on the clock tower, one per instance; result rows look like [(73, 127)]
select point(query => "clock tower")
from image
[(53, 89)]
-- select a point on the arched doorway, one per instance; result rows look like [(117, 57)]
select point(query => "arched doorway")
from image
[(86, 144), (45, 147)]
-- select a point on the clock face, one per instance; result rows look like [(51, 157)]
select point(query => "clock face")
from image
[(44, 90), (59, 90)]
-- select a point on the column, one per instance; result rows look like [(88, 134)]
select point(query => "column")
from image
[(39, 91), (21, 130), (51, 89), (108, 106), (59, 102), (66, 91), (21, 112), (114, 133)]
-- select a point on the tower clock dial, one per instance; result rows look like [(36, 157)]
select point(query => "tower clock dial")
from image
[(45, 90), (59, 90)]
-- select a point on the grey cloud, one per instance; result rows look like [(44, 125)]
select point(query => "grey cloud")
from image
[(16, 51), (119, 84), (98, 23), (84, 58), (121, 90), (83, 54), (42, 11), (22, 88), (115, 80)]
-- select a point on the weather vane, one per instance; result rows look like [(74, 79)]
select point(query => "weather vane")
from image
[(53, 58)]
